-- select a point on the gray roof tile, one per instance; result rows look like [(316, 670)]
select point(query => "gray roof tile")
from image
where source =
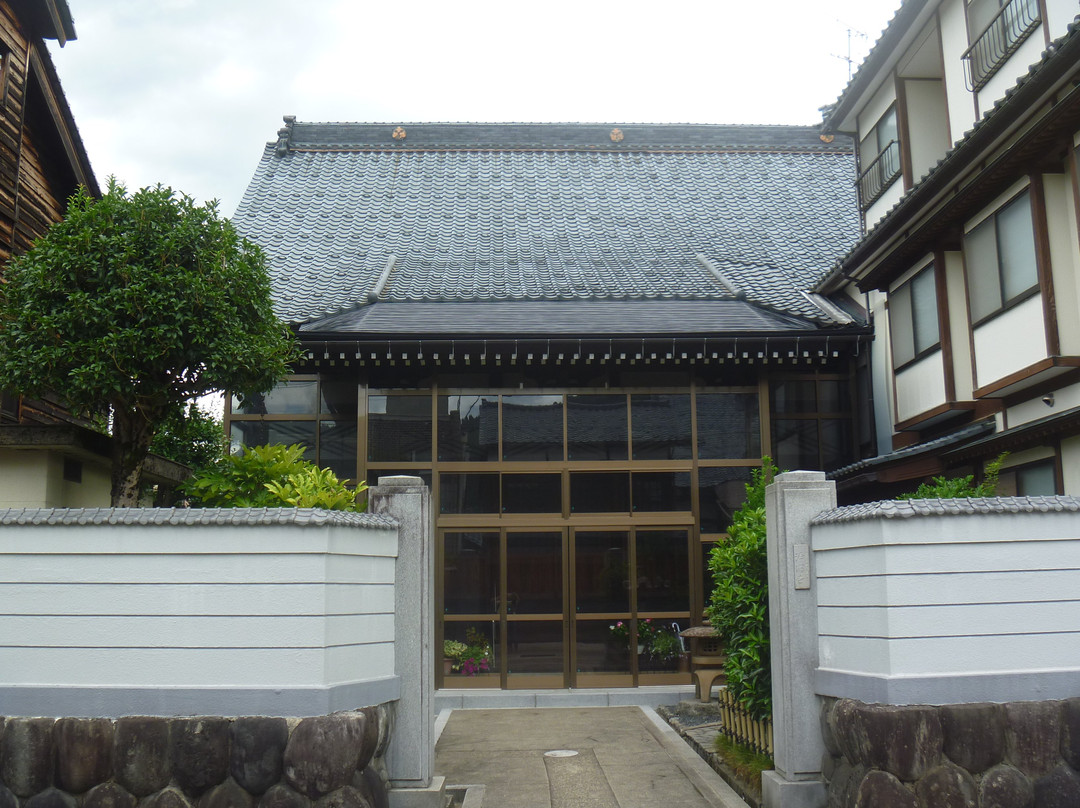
[(557, 212), (907, 509), (312, 517)]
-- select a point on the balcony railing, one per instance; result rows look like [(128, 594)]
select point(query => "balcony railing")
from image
[(1009, 28), (879, 175)]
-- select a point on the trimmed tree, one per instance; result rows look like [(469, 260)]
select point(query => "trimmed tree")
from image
[(134, 305)]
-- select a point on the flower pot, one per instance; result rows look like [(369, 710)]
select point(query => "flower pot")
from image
[(684, 663), (447, 667)]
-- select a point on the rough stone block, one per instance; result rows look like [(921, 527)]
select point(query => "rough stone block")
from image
[(844, 786), (849, 731), (51, 798), (1058, 789), (258, 745), (374, 784), (84, 750), (1005, 787), (1033, 736), (166, 798), (946, 786), (345, 797), (828, 727), (1070, 732), (8, 799), (280, 796), (322, 753), (227, 795), (108, 795), (200, 753), (904, 741), (370, 738), (974, 735), (26, 755), (882, 790), (141, 754), (386, 725)]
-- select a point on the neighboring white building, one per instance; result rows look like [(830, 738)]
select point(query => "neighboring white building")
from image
[(967, 115)]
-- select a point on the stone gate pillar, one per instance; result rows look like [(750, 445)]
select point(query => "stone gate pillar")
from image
[(411, 756), (791, 502)]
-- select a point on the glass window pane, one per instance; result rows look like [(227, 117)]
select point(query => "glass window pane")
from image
[(534, 573), (481, 653), (602, 569), (532, 427), (981, 261), (602, 647), (534, 647), (835, 443), (796, 445), (658, 645), (338, 397), (834, 395), (792, 396), (283, 433), (924, 310), (721, 491), (470, 573), (660, 490), (886, 129), (468, 493), (1036, 480), (599, 492), (661, 426), (337, 447), (596, 427), (468, 428), (663, 582), (399, 428), (728, 426), (287, 398), (532, 493), (1016, 246), (901, 325)]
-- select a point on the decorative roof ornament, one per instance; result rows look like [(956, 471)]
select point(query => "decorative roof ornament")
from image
[(399, 133), (828, 138), (617, 135)]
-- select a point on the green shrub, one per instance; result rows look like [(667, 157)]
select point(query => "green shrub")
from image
[(739, 606), (271, 477), (961, 487)]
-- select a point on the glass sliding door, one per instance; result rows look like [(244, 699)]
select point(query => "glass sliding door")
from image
[(535, 607)]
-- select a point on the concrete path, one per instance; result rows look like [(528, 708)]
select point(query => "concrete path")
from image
[(626, 757)]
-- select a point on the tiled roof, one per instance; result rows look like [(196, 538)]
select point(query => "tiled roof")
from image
[(906, 509), (549, 212), (311, 517), (937, 445)]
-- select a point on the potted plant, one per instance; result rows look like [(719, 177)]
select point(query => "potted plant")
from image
[(453, 652)]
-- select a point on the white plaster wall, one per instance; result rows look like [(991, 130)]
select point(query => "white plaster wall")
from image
[(920, 386), (884, 97), (1064, 258), (1010, 342), (35, 479), (1065, 398), (884, 203), (954, 42), (1059, 13), (963, 375), (942, 595), (927, 136), (188, 606)]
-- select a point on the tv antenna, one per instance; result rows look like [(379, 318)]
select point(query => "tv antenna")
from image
[(852, 33)]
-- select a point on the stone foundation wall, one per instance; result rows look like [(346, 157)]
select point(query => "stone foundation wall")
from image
[(1017, 755), (330, 761)]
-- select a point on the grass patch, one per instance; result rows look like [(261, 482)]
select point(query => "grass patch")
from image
[(744, 761)]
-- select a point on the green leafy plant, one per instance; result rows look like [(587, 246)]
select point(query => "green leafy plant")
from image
[(747, 763), (739, 607), (961, 487), (470, 657), (271, 477), (192, 437), (665, 645), (134, 305)]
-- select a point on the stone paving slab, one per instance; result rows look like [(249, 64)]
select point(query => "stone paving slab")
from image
[(627, 758)]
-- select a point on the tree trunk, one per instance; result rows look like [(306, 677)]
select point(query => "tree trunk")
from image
[(131, 437)]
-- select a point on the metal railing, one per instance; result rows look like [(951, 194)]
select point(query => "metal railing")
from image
[(879, 175), (1009, 28)]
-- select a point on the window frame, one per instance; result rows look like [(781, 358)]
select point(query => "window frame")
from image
[(868, 163), (926, 275), (970, 277)]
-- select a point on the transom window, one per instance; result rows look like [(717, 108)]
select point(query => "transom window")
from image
[(913, 318), (1000, 259)]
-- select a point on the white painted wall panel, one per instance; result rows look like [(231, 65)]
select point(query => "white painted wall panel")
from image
[(1059, 13), (920, 386), (1064, 258), (975, 594), (196, 606), (954, 41), (999, 351), (1014, 67), (884, 203)]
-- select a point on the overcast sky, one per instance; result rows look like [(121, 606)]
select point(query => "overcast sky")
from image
[(187, 92)]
